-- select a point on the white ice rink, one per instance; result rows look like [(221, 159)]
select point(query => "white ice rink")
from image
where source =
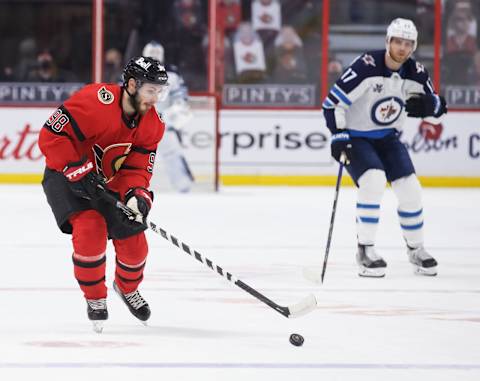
[(402, 327)]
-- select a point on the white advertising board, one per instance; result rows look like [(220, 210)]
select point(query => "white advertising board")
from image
[(19, 152), (297, 143), (266, 143)]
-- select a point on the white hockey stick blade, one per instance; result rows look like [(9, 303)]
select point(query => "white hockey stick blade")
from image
[(312, 274), (303, 307)]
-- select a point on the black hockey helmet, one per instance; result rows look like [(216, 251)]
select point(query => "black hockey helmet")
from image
[(145, 69)]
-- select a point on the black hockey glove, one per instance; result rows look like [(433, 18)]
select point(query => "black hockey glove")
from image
[(423, 105), (341, 143), (140, 201), (83, 180)]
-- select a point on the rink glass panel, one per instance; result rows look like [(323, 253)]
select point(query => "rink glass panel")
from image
[(460, 60), (359, 26), (269, 55), (182, 30), (45, 41)]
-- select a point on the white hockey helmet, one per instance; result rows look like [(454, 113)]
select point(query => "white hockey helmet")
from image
[(154, 50), (402, 28)]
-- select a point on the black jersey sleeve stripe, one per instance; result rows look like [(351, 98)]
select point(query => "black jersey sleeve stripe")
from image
[(76, 129), (142, 150), (129, 167)]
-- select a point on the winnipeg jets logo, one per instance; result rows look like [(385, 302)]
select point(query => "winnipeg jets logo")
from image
[(386, 111), (377, 88), (368, 60), (109, 160), (105, 96)]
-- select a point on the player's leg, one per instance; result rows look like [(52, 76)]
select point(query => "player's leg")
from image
[(131, 255), (176, 165), (75, 216), (407, 188), (366, 170), (89, 238)]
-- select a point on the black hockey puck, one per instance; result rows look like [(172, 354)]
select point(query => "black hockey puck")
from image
[(296, 339)]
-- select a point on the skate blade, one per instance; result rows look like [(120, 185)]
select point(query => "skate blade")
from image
[(365, 272), (97, 326), (425, 271)]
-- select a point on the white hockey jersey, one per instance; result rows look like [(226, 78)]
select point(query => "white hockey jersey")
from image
[(368, 99), (175, 110)]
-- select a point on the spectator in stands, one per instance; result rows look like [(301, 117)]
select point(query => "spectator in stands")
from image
[(27, 62), (229, 15), (47, 70), (461, 43), (249, 56), (224, 61), (266, 20), (289, 57), (335, 69), (475, 72), (113, 66), (190, 30), (462, 30), (6, 74), (425, 9)]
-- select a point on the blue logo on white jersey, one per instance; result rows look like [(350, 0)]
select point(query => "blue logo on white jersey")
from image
[(386, 111)]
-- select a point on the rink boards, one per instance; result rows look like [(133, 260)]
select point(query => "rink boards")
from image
[(266, 147)]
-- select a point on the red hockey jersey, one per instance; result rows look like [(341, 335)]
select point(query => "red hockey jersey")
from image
[(91, 123)]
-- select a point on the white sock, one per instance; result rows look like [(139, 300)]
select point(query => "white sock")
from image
[(410, 211), (371, 186)]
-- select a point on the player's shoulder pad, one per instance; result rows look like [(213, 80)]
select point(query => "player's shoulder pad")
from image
[(153, 128), (415, 71), (369, 64), (97, 94)]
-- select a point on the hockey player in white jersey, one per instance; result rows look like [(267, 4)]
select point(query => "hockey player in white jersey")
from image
[(176, 113), (365, 111)]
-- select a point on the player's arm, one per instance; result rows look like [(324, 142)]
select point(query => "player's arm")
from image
[(57, 139), (66, 130), (349, 87), (136, 170), (427, 104), (133, 180)]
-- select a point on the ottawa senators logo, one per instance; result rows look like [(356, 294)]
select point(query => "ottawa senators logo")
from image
[(109, 160), (105, 96)]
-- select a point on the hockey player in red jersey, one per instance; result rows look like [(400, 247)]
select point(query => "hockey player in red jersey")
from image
[(106, 136)]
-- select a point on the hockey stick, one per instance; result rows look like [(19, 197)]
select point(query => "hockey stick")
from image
[(312, 274), (303, 307)]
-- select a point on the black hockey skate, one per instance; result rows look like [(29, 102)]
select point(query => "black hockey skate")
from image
[(369, 262), (97, 313), (135, 303), (423, 263)]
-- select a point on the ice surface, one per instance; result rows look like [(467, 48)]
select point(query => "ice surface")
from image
[(205, 328)]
